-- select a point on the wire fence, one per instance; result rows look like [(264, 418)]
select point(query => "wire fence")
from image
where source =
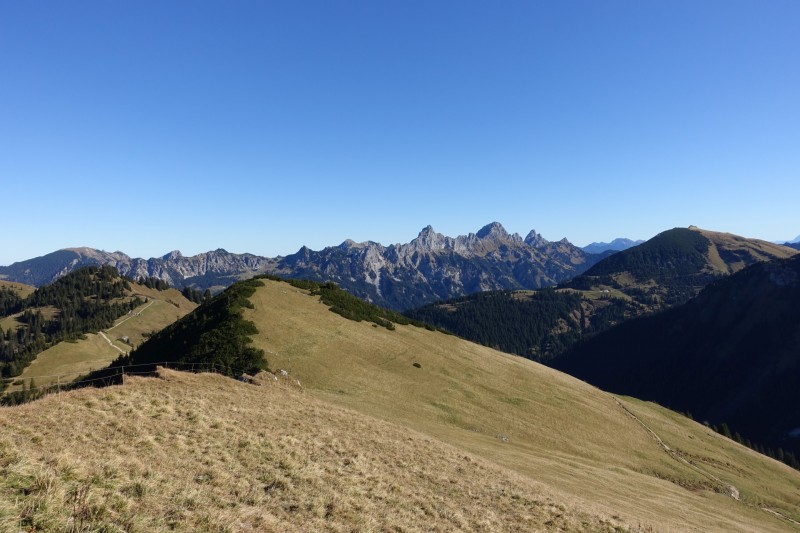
[(111, 374)]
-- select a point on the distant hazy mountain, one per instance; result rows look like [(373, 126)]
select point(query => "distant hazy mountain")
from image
[(616, 245), (730, 355), (401, 276), (215, 270), (795, 245)]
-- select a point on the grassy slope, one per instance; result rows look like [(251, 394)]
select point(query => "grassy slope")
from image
[(682, 260), (472, 440), (736, 250), (77, 358), (24, 290), (206, 453), (571, 437)]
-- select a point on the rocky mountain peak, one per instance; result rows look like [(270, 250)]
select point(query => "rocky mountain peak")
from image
[(494, 230), (432, 266), (173, 255), (428, 239), (535, 239)]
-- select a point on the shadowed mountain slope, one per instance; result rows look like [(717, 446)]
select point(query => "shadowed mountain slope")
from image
[(576, 440), (730, 355), (675, 265), (666, 270)]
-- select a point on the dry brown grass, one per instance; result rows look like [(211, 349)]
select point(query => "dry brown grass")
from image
[(757, 249), (468, 439), (572, 437), (205, 453), (21, 289)]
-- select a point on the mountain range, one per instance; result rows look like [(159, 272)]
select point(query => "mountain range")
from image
[(367, 422), (665, 271), (616, 245), (401, 276)]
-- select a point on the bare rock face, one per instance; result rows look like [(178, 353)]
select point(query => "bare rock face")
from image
[(400, 276), (433, 266), (216, 269)]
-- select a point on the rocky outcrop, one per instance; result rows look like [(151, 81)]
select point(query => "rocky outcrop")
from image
[(400, 276), (434, 267)]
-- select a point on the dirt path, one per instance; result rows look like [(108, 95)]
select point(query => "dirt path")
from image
[(732, 491), (132, 316), (117, 348), (779, 515)]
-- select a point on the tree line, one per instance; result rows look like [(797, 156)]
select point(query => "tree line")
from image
[(84, 301)]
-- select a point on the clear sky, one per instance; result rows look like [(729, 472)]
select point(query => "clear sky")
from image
[(264, 126)]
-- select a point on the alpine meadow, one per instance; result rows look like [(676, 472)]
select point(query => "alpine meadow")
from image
[(400, 267)]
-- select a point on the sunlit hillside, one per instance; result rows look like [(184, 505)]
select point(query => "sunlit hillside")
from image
[(205, 453), (578, 441), (66, 361), (369, 428)]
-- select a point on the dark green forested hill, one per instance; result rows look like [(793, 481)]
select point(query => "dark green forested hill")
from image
[(536, 325), (214, 335), (83, 301), (731, 355), (675, 265)]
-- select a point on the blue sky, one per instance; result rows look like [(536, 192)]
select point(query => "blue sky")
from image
[(264, 126)]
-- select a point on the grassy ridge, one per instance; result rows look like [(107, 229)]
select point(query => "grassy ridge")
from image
[(202, 453), (574, 439), (67, 361), (84, 301), (350, 307)]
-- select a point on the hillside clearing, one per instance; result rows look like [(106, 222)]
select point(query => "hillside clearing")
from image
[(67, 360)]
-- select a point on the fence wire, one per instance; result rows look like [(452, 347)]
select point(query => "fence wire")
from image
[(121, 373)]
